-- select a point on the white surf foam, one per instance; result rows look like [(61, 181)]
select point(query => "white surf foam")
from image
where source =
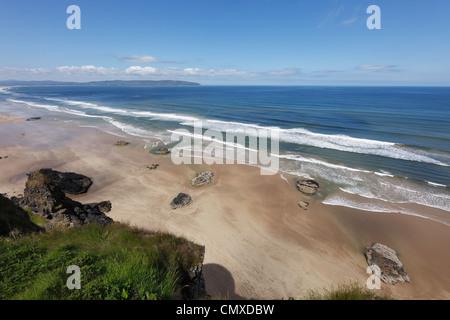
[(434, 184), (88, 105), (294, 135), (57, 109), (384, 174), (394, 191), (371, 185), (320, 162), (380, 207), (131, 130), (82, 114), (129, 112), (165, 116), (37, 105), (5, 90), (331, 141), (72, 102), (231, 145), (335, 200)]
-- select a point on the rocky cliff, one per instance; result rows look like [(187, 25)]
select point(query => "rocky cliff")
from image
[(45, 197), (14, 219)]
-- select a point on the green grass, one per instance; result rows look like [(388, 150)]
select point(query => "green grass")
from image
[(36, 219), (349, 291), (117, 262)]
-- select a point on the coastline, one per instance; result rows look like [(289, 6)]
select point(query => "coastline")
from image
[(259, 243)]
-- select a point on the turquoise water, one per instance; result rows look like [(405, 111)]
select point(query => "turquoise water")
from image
[(389, 145)]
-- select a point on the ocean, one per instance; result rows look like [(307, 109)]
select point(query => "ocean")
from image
[(379, 149)]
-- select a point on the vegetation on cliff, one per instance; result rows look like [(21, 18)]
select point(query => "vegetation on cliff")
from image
[(347, 291), (116, 261)]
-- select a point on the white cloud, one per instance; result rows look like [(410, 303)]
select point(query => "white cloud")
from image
[(284, 72), (86, 69), (143, 71), (194, 71), (172, 71), (330, 17), (92, 73), (230, 72), (349, 22), (377, 68), (326, 71), (145, 60), (71, 73), (139, 59)]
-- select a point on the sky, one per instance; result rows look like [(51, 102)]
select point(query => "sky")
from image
[(228, 42)]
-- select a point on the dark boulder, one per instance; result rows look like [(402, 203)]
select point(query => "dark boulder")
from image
[(103, 207), (154, 166), (307, 186), (69, 182), (182, 200), (33, 118), (122, 143), (162, 151)]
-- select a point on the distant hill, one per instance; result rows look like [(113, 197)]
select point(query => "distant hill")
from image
[(100, 83)]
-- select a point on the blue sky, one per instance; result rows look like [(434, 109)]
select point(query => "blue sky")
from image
[(279, 42)]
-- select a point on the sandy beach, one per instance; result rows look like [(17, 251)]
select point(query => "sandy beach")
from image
[(259, 243), (6, 118)]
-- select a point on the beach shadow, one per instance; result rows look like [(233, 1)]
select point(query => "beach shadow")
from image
[(219, 282)]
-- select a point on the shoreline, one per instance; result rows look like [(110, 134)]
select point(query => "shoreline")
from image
[(259, 243)]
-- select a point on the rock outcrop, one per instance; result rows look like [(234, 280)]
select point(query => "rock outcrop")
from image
[(195, 287), (202, 178), (303, 204), (13, 219), (162, 151), (68, 182), (48, 200), (384, 260), (34, 118), (154, 166), (122, 143), (307, 186), (181, 201)]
